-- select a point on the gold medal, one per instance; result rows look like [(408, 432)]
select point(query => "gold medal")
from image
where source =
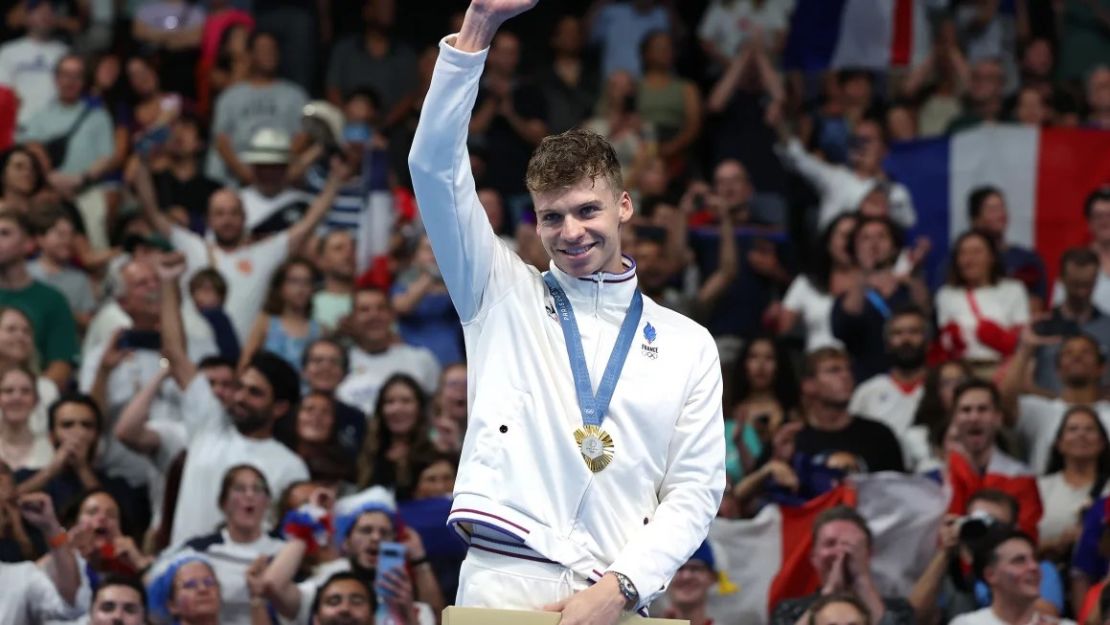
[(596, 446)]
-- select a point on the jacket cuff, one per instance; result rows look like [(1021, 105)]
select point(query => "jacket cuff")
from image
[(467, 60)]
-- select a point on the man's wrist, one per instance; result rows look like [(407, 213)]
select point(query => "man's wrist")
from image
[(627, 590)]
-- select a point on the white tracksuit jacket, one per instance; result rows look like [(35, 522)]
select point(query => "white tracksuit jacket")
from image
[(521, 471)]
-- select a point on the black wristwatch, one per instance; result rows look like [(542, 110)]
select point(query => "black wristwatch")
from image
[(628, 589)]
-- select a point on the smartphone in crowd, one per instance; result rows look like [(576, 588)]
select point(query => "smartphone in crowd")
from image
[(391, 556)]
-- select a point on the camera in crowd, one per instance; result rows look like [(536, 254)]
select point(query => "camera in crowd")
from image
[(975, 526)]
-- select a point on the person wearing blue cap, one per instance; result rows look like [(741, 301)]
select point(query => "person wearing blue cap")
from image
[(185, 593), (689, 590)]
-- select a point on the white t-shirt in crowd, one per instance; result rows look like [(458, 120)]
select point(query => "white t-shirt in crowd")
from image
[(1038, 420), (1062, 505), (1100, 297), (986, 616), (247, 271), (884, 400), (815, 310), (1006, 303), (27, 66), (172, 440), (214, 447), (729, 25), (370, 371), (30, 597)]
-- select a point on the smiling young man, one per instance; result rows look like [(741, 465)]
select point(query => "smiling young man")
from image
[(569, 501)]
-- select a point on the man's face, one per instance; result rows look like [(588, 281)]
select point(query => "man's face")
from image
[(370, 531), (337, 259), (1098, 90), (650, 270), (987, 80), (832, 382), (184, 141), (731, 184), (1099, 221), (993, 217), (254, 405), (323, 367), (69, 78), (504, 54), (76, 424), (1079, 362), (40, 20), (264, 55), (117, 605), (1016, 574), (344, 602), (372, 316), (579, 226), (905, 341), (976, 420), (142, 297), (270, 178), (567, 37), (226, 218), (224, 384), (834, 540), (691, 584), (1079, 283), (14, 243), (867, 149)]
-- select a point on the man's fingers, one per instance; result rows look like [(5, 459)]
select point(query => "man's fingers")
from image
[(558, 606)]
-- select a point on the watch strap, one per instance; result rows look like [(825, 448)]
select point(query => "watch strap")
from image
[(628, 589)]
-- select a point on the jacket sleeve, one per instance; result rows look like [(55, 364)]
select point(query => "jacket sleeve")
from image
[(691, 490), (470, 256)]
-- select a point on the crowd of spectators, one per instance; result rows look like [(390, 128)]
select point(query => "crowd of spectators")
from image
[(230, 369)]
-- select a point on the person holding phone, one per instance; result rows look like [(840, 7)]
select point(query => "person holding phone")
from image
[(400, 572), (601, 496)]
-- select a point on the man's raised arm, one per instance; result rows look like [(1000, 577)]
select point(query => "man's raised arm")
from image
[(465, 245)]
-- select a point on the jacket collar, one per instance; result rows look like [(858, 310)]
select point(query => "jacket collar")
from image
[(600, 291)]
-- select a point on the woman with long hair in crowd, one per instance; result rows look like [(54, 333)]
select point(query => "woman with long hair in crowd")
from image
[(764, 394), (242, 538), (926, 437), (285, 326), (1077, 475), (20, 446), (811, 295), (17, 349), (314, 435), (399, 436), (21, 178)]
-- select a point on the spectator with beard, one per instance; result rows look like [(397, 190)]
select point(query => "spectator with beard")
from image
[(688, 593), (217, 438), (892, 398), (1037, 413)]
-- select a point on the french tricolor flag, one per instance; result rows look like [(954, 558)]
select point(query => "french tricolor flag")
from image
[(869, 34), (1046, 174)]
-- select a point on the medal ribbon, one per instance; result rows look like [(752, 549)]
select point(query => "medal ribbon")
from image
[(593, 407)]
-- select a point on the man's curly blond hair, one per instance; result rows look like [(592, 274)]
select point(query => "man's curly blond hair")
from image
[(563, 160)]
